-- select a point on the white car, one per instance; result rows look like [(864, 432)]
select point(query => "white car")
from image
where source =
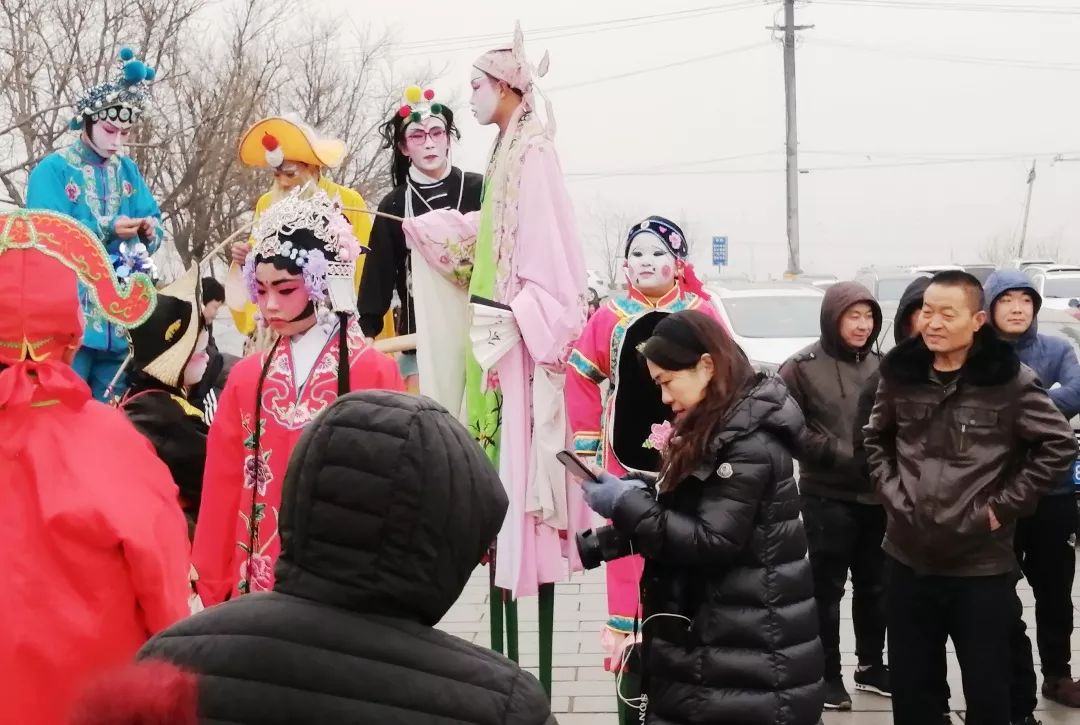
[(770, 321), (1058, 284)]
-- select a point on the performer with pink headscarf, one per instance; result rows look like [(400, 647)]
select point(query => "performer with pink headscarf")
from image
[(527, 265)]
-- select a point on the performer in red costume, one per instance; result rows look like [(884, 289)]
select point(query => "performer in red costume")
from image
[(93, 545), (300, 274)]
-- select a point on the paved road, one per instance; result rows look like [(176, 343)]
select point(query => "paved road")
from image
[(583, 693)]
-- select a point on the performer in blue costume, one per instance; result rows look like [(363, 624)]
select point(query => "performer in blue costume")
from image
[(93, 182)]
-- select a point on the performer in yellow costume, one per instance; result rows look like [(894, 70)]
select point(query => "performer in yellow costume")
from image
[(296, 154)]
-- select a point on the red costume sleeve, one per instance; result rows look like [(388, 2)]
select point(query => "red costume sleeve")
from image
[(215, 532), (589, 365)]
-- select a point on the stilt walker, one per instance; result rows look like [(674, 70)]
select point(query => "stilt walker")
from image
[(434, 297), (528, 290)]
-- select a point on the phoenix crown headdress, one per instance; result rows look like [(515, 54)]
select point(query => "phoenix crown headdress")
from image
[(328, 273)]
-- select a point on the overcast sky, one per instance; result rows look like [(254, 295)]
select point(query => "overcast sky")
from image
[(886, 96)]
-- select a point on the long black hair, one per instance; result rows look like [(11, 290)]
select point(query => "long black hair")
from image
[(678, 343), (393, 136)]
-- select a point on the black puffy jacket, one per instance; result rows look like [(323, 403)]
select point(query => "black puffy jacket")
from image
[(388, 507), (726, 550)]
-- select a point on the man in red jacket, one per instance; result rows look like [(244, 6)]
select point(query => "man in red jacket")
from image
[(93, 545)]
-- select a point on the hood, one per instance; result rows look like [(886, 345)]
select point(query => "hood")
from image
[(766, 405), (909, 301), (992, 361), (388, 507), (838, 299), (1006, 280)]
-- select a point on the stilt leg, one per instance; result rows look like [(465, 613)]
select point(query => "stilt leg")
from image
[(546, 603), (511, 625), (495, 610)]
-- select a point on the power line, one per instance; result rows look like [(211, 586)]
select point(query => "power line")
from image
[(665, 66), (999, 158), (470, 42), (965, 7), (665, 167), (930, 55)]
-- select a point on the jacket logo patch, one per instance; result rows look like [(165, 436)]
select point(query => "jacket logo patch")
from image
[(174, 328), (725, 470)]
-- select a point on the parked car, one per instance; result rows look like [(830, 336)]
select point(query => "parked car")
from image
[(980, 271), (932, 269), (771, 321), (823, 281), (1058, 284), (888, 284), (1023, 264)]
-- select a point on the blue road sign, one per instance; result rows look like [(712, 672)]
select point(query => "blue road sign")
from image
[(719, 251)]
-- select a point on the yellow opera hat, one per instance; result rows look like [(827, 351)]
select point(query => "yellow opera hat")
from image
[(277, 139)]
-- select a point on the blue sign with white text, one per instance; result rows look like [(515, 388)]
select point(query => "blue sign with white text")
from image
[(1076, 473), (719, 251)]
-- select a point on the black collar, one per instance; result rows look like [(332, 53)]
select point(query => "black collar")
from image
[(992, 361)]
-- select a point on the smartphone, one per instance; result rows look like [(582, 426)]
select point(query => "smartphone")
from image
[(575, 466)]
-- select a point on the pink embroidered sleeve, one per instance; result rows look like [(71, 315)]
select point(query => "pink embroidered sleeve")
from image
[(446, 238), (548, 261), (589, 366)]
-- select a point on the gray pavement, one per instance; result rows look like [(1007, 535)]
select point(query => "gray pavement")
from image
[(583, 693)]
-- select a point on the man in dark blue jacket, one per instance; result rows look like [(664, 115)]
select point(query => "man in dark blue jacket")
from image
[(1044, 541)]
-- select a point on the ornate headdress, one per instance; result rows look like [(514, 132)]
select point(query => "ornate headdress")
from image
[(663, 229), (328, 271), (162, 346), (420, 105), (121, 100)]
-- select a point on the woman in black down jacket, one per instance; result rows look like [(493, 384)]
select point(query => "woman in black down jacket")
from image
[(730, 631)]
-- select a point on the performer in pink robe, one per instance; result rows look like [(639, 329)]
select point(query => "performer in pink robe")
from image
[(625, 430), (301, 275)]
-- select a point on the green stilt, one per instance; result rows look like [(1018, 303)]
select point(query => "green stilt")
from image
[(546, 604), (495, 609), (511, 626), (629, 687)]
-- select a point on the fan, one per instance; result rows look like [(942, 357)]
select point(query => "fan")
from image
[(493, 331)]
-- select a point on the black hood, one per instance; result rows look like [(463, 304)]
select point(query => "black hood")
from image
[(388, 506), (992, 361), (911, 300), (765, 405), (838, 299)]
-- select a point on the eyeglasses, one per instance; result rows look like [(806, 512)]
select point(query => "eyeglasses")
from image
[(418, 137)]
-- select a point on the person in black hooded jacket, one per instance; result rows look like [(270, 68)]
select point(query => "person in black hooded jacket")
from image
[(388, 507), (730, 632)]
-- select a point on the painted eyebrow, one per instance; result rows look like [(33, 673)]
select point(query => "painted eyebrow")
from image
[(277, 282)]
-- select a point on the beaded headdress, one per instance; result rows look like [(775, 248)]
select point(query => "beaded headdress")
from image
[(328, 272), (120, 100)]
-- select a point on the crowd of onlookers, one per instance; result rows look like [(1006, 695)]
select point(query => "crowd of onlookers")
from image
[(937, 476)]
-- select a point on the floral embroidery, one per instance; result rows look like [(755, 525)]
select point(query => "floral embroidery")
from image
[(257, 568), (128, 188), (261, 570), (659, 437), (258, 474), (72, 190)]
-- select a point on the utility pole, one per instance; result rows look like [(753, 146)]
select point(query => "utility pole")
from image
[(1027, 210), (789, 28)]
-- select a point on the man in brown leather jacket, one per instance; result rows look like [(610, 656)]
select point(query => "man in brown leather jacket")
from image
[(962, 442)]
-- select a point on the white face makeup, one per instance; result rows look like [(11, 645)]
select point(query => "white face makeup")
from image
[(107, 137), (427, 144), (485, 97), (196, 366), (650, 265)]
